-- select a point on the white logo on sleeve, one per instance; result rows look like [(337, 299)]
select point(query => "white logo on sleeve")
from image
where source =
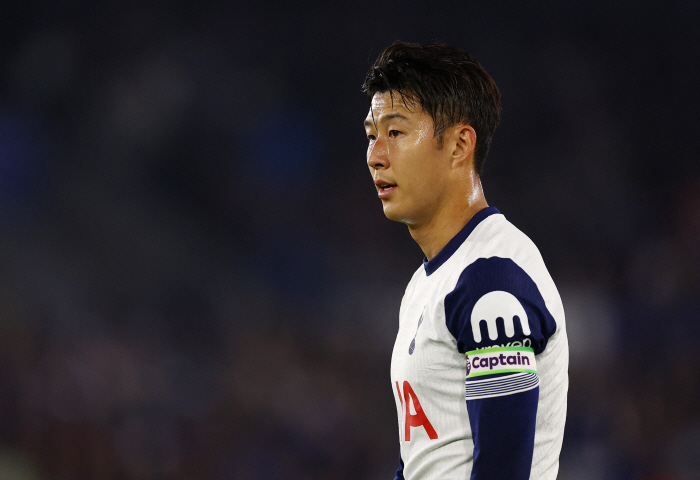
[(498, 304)]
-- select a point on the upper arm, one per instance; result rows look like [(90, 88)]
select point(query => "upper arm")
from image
[(499, 319)]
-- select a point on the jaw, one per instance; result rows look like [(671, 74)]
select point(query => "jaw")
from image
[(392, 209), (415, 214), (399, 212)]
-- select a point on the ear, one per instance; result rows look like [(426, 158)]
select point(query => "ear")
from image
[(464, 143)]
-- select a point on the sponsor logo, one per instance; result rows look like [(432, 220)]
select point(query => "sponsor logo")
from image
[(490, 361), (525, 343), (494, 305), (415, 420)]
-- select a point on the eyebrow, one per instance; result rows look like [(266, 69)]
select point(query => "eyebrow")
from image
[(383, 118)]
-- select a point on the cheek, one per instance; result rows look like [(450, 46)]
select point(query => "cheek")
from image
[(425, 163), (429, 176)]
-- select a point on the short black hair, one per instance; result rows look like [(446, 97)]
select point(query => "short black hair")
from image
[(447, 83)]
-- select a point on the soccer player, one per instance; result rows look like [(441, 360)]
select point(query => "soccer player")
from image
[(481, 315)]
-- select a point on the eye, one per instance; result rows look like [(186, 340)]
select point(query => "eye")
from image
[(394, 133), (371, 137)]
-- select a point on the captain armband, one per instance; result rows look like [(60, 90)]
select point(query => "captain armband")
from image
[(498, 371)]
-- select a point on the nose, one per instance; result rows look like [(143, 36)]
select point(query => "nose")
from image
[(377, 154)]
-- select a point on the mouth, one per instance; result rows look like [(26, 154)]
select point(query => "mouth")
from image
[(384, 188)]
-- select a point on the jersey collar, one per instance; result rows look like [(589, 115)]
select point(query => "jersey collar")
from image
[(434, 263)]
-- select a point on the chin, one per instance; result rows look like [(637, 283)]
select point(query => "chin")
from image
[(393, 213)]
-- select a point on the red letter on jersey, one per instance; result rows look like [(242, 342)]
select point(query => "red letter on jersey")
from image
[(419, 419)]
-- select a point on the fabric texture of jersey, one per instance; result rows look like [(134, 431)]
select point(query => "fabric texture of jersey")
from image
[(481, 324)]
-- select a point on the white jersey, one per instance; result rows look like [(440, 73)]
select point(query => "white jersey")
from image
[(482, 317)]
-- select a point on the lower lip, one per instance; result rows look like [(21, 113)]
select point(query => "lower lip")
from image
[(385, 192)]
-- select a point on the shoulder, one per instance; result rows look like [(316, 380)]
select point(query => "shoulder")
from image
[(504, 294), (496, 236), (502, 252)]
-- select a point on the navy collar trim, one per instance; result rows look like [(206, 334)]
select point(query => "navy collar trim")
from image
[(434, 263)]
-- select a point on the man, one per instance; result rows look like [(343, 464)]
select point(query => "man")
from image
[(482, 305)]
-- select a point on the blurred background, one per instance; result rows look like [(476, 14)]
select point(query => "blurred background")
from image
[(196, 277)]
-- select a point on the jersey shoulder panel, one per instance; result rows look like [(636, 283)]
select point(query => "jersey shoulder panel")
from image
[(495, 301)]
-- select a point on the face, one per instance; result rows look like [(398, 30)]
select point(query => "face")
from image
[(404, 160)]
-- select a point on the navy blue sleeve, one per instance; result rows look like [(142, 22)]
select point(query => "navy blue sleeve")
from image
[(399, 471), (496, 305), (503, 429)]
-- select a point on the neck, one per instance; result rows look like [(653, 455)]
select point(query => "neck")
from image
[(433, 235)]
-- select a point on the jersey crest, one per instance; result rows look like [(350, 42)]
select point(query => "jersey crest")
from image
[(412, 346)]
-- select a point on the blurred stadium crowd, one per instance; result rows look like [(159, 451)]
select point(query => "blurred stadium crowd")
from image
[(197, 281)]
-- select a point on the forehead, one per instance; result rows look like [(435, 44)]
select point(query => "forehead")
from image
[(389, 100), (385, 103)]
